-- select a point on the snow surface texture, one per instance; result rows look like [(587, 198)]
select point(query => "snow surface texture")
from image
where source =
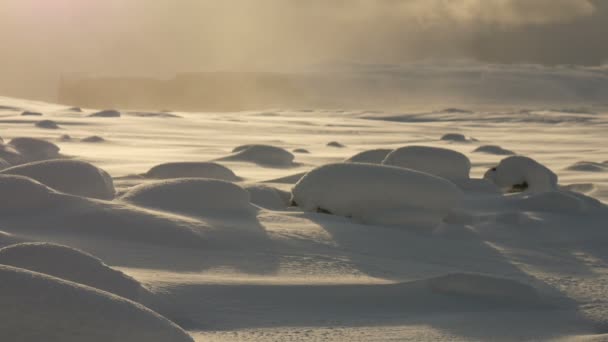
[(69, 176), (526, 266), (377, 194), (441, 162), (523, 173), (38, 307), (192, 170), (70, 264)]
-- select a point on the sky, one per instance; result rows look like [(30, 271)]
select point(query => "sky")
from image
[(43, 39)]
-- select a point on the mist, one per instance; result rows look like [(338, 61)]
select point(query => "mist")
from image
[(46, 40)]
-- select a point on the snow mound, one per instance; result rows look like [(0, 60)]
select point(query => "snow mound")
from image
[(457, 137), (65, 137), (32, 149), (291, 179), (377, 194), (45, 308), (28, 113), (47, 124), (266, 155), (192, 170), (494, 149), (163, 115), (70, 264), (301, 150), (109, 113), (375, 156), (586, 166), (190, 196), (69, 176), (75, 109), (268, 197), (481, 286), (10, 154), (335, 144), (93, 139), (518, 173), (21, 195), (437, 161)]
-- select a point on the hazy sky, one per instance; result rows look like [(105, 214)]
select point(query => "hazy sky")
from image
[(42, 39)]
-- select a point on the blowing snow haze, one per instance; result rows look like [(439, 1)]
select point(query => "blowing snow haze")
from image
[(240, 54)]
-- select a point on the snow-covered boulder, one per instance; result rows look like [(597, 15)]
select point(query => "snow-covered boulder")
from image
[(71, 264), (265, 155), (441, 162), (32, 149), (301, 150), (377, 194), (268, 197), (457, 137), (39, 307), (69, 176), (494, 149), (109, 113), (375, 156), (518, 173), (192, 170), (191, 196), (22, 195), (47, 124), (335, 144)]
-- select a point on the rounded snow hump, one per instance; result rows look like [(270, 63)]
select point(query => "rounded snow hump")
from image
[(436, 161)]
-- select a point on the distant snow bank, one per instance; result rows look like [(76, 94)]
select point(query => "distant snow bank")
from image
[(441, 162), (45, 308), (69, 176), (377, 194)]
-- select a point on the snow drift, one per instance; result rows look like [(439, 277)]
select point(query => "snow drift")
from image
[(494, 149), (32, 149), (45, 308), (22, 195), (268, 197), (377, 194), (441, 162), (109, 113), (47, 124), (518, 173), (192, 196), (69, 176), (192, 170), (70, 264)]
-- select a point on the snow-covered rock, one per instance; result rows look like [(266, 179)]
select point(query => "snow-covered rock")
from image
[(375, 156), (268, 197), (109, 113), (377, 194), (39, 307), (457, 137), (47, 124), (71, 264), (69, 176), (265, 155), (587, 166), (518, 173), (28, 113), (494, 149), (335, 144), (32, 149), (301, 150), (192, 170), (93, 139), (441, 162), (191, 196)]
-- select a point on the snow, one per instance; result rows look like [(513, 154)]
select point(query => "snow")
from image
[(494, 149), (26, 113), (32, 149), (71, 264), (194, 196), (518, 170), (47, 124), (39, 307), (437, 161), (265, 155), (108, 113), (377, 194), (193, 170), (587, 166), (236, 261), (93, 139), (457, 137), (375, 156), (69, 176)]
